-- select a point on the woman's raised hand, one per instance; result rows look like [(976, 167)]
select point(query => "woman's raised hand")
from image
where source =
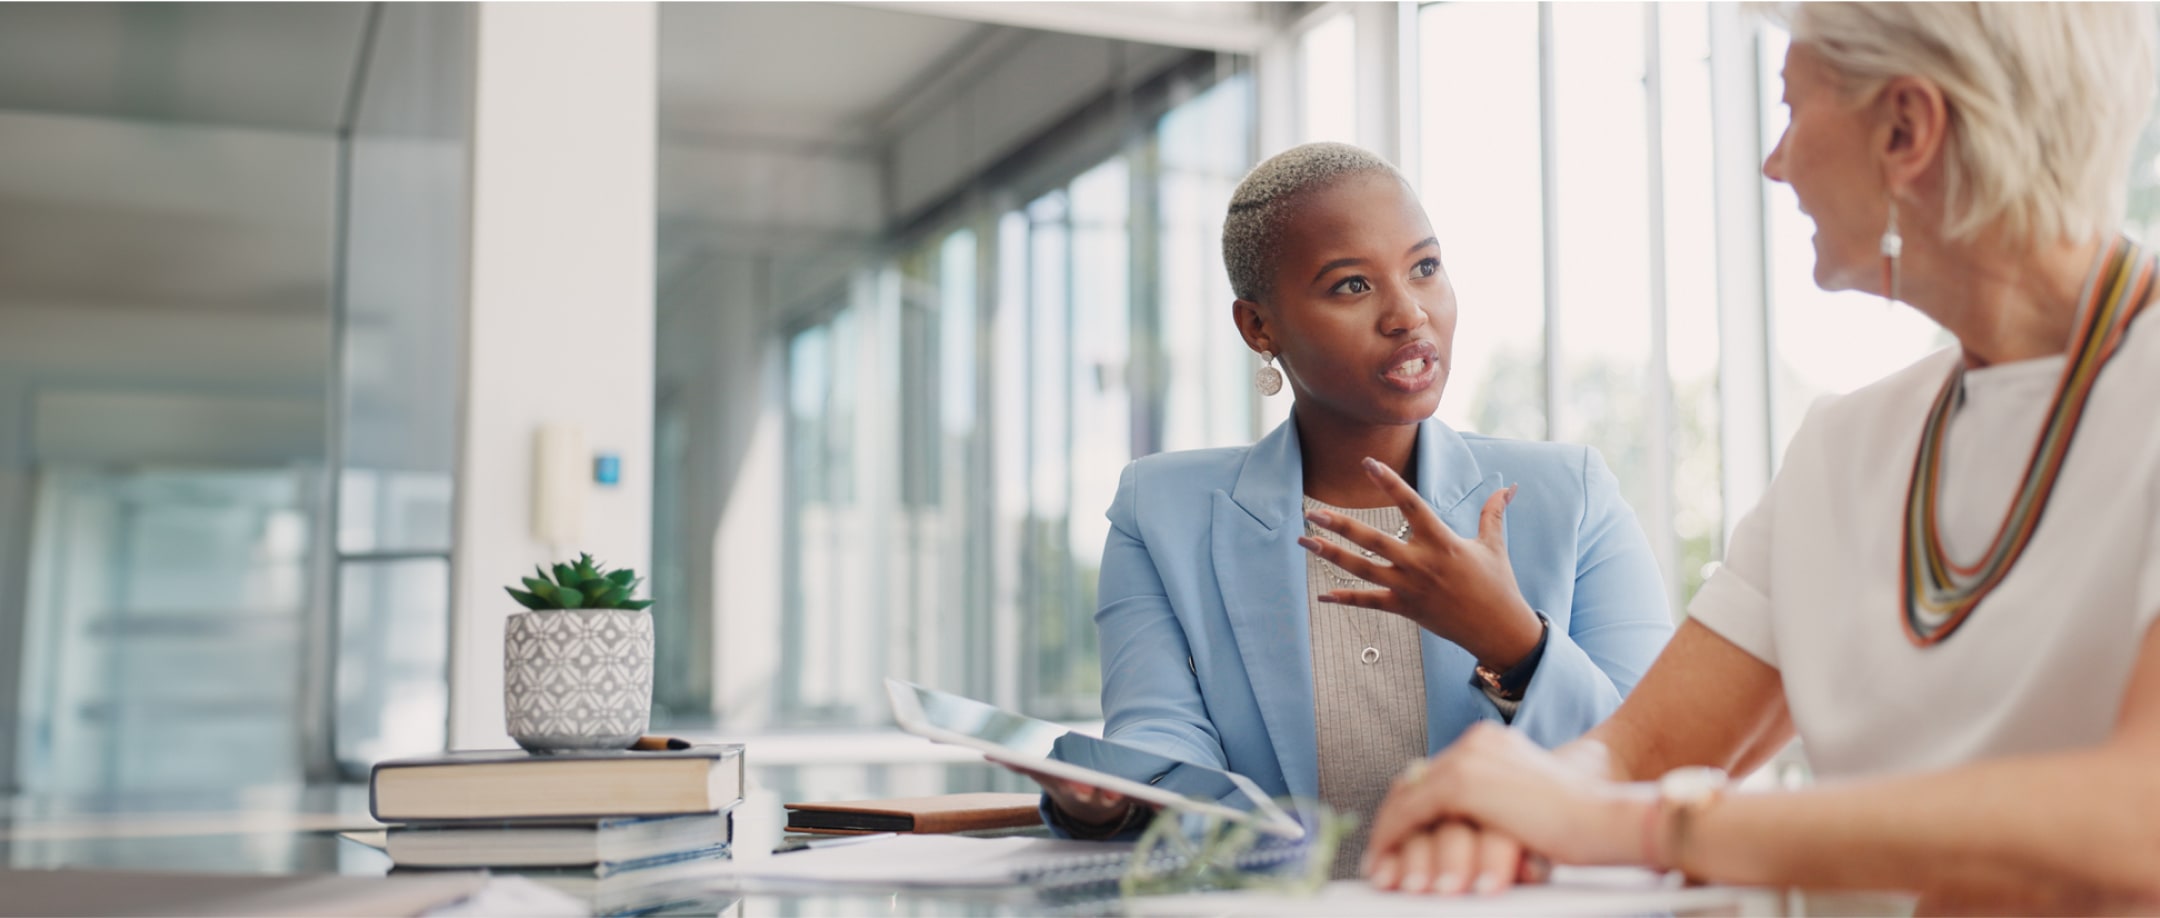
[(1460, 589)]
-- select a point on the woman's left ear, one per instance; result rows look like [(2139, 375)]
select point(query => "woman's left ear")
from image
[(1919, 121), (1252, 325)]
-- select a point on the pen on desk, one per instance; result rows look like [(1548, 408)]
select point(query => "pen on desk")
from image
[(842, 840), (659, 743)]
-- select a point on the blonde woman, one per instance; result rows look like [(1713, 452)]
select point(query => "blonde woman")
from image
[(1949, 591)]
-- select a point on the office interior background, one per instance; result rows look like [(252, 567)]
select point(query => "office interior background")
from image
[(871, 301)]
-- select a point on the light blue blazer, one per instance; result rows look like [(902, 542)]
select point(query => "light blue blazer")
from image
[(1206, 638)]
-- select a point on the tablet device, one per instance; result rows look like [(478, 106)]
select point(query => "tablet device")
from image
[(1039, 745)]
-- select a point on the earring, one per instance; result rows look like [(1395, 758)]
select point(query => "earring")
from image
[(1268, 379), (1893, 245)]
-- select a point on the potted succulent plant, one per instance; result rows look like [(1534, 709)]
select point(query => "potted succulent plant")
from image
[(578, 664)]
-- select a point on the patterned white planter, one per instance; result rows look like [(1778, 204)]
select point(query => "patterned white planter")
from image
[(578, 678)]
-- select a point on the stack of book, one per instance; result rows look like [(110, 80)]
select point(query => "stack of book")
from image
[(627, 831)]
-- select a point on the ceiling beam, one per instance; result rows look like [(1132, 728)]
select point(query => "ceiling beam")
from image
[(1238, 28)]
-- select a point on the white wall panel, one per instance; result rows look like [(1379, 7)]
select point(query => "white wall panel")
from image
[(561, 326)]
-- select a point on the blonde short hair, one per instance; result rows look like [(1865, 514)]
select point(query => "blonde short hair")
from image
[(2046, 101), (1253, 226)]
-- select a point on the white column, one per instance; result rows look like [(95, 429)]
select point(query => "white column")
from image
[(1744, 361), (1275, 73), (561, 316), (1657, 385), (1387, 81)]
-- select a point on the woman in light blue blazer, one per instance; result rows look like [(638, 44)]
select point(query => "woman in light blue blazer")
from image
[(1252, 617)]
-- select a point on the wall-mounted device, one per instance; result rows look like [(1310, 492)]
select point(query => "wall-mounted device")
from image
[(560, 460)]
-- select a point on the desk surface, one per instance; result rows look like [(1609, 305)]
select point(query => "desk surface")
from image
[(295, 831)]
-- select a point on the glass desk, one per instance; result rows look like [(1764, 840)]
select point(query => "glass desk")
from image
[(297, 831)]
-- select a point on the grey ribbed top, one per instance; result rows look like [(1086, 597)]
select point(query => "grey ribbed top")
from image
[(1371, 716)]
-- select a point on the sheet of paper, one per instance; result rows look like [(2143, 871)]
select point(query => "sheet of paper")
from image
[(514, 895), (1573, 891), (919, 860), (142, 892), (164, 825)]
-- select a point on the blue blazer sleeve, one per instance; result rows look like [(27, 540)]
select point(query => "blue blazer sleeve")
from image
[(1151, 698), (1616, 628)]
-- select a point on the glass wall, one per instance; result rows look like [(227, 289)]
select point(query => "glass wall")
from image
[(1684, 144), (225, 524), (1483, 191), (1108, 336), (1566, 149), (400, 335), (168, 610), (1199, 357), (1327, 81), (1608, 384), (160, 589)]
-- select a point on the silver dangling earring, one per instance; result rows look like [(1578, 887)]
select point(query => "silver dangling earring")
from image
[(1893, 245), (1268, 379)]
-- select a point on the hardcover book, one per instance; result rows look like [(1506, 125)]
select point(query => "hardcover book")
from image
[(514, 784)]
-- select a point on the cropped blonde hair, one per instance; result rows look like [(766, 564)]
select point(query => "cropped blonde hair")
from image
[(2045, 100), (1253, 226)]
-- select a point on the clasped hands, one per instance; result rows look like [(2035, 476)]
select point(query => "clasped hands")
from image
[(1470, 818)]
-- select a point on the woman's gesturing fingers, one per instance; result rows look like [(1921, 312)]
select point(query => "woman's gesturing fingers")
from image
[(1462, 589), (1423, 521), (1382, 545), (1351, 562), (1376, 600), (1492, 521)]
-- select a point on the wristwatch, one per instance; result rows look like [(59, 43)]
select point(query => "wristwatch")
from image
[(1516, 680), (1683, 793)]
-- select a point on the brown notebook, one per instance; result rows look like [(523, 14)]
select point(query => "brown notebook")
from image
[(947, 813)]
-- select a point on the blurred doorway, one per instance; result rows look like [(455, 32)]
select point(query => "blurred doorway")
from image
[(166, 626)]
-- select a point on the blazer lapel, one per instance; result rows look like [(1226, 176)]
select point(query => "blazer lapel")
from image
[(1449, 479), (1261, 571)]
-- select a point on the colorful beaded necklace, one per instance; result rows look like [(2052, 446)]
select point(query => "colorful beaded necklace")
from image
[(1941, 594)]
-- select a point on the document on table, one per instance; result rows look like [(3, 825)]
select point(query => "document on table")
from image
[(142, 892), (924, 860), (1573, 891)]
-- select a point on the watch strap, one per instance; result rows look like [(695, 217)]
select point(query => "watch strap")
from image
[(1512, 685)]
